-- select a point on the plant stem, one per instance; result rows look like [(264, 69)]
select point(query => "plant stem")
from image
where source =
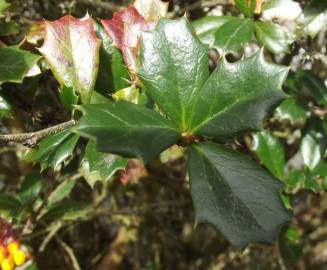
[(32, 138)]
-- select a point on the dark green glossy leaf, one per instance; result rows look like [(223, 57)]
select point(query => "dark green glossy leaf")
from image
[(15, 63), (9, 203), (127, 129), (68, 97), (54, 149), (270, 152), (225, 105), (314, 17), (61, 191), (233, 35), (292, 110), (235, 195), (113, 73), (272, 36), (97, 166), (174, 66), (206, 27), (247, 7), (67, 211), (8, 28), (314, 143), (314, 85), (30, 188)]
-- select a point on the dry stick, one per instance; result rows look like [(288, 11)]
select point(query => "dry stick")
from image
[(100, 4), (32, 138)]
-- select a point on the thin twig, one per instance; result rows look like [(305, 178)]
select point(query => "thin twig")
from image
[(31, 139), (100, 4), (69, 251)]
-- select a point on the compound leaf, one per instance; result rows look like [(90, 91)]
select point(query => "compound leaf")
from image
[(174, 65), (206, 27), (97, 166), (233, 35), (127, 129), (225, 105), (270, 152), (15, 64), (273, 37), (235, 195), (54, 149)]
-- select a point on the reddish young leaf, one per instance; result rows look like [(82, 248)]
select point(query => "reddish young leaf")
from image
[(72, 51), (124, 29)]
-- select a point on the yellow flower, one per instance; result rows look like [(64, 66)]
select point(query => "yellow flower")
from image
[(13, 247), (19, 257), (2, 254), (8, 264)]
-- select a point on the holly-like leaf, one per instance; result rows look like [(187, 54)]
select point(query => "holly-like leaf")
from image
[(270, 152), (314, 143), (72, 51), (235, 195), (273, 37), (233, 35), (151, 10), (206, 27), (314, 85), (10, 204), (113, 73), (174, 66), (124, 29), (30, 188), (8, 28), (61, 191), (314, 17), (225, 105), (67, 211), (68, 97), (247, 7), (127, 129), (15, 64), (54, 150), (293, 110), (97, 166)]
